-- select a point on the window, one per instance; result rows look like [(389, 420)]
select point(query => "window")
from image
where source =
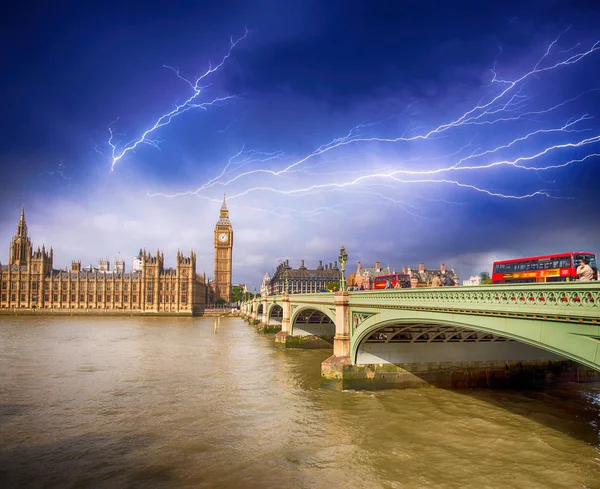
[(99, 287), (64, 286), (46, 285), (125, 287), (72, 297), (99, 298), (22, 297), (3, 297), (55, 297), (13, 297), (55, 286), (35, 268), (46, 297), (126, 298), (134, 287), (3, 285), (90, 298), (73, 285), (149, 299), (23, 285), (81, 298), (64, 297), (117, 287), (34, 297), (134, 298), (107, 287), (117, 298), (34, 286), (183, 298)]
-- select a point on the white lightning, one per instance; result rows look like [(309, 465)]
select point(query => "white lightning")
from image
[(190, 103)]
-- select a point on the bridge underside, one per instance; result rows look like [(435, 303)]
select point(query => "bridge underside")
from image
[(426, 343), (311, 328)]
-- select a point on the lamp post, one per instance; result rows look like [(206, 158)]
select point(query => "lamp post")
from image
[(286, 281), (343, 258)]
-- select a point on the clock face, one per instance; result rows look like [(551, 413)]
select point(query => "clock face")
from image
[(223, 237)]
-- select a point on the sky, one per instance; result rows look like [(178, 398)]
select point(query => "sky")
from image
[(454, 132)]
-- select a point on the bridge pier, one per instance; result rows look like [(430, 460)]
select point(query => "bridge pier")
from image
[(266, 325), (282, 336), (332, 369)]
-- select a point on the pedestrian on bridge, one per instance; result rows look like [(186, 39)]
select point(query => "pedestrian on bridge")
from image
[(448, 282), (584, 271), (437, 281)]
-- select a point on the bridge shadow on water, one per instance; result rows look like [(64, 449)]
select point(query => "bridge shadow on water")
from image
[(573, 409)]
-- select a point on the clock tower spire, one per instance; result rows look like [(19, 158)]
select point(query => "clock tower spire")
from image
[(223, 254)]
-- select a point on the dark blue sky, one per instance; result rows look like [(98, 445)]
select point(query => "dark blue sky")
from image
[(307, 73)]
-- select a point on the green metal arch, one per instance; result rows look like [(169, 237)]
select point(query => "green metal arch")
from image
[(578, 346), (311, 307)]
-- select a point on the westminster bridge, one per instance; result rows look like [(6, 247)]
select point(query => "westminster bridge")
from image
[(446, 336)]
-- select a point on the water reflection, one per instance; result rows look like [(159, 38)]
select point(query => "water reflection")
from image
[(167, 403)]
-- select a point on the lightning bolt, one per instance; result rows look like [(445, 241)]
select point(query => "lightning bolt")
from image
[(506, 105), (192, 102)]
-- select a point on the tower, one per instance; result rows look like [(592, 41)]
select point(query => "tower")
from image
[(223, 255), (20, 246)]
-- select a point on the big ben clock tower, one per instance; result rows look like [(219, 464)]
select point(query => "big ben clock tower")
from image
[(223, 249)]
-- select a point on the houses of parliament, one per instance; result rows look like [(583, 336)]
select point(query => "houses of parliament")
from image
[(30, 281)]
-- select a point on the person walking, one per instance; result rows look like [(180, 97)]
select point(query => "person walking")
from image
[(448, 282), (437, 281), (584, 271)]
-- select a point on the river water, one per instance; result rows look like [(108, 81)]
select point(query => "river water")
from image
[(155, 402)]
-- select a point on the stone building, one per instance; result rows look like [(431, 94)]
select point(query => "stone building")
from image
[(31, 281), (422, 276), (223, 243), (302, 279), (364, 276)]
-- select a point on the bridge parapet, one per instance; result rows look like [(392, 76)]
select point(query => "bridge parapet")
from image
[(577, 299)]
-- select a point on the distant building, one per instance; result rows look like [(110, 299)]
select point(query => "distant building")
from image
[(422, 277), (364, 276), (31, 281), (137, 262), (302, 279), (474, 280)]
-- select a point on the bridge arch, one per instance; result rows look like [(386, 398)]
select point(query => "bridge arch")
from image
[(419, 337), (259, 309), (314, 319), (275, 313)]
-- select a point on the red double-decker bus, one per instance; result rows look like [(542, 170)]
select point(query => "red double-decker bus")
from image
[(380, 281), (561, 267)]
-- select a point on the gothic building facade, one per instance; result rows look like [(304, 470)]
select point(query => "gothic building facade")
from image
[(31, 281), (223, 243)]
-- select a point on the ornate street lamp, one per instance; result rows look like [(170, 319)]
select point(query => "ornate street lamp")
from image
[(343, 258), (286, 282)]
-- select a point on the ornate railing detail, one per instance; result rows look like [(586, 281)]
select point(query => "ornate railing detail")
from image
[(578, 298)]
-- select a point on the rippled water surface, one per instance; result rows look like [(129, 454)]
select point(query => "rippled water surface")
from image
[(154, 402)]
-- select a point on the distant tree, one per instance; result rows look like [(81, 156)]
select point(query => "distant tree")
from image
[(237, 293), (330, 286), (221, 301), (487, 281), (484, 276)]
